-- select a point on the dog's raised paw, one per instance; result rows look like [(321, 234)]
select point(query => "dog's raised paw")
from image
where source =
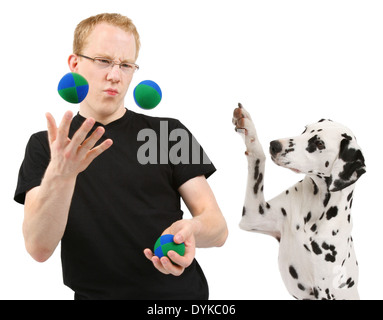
[(244, 126)]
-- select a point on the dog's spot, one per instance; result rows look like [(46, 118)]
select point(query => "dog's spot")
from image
[(301, 287), (283, 212), (349, 283), (330, 257), (256, 169), (326, 199), (311, 147), (307, 218), (293, 272), (315, 247), (258, 177), (316, 190), (327, 164), (332, 213), (289, 150), (261, 210), (329, 295), (315, 143), (243, 211)]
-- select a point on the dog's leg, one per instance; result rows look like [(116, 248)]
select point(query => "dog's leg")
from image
[(257, 214)]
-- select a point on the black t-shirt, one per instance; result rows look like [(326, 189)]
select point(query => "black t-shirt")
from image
[(120, 207)]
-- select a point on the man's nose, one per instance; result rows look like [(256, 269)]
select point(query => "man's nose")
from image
[(275, 147), (114, 74)]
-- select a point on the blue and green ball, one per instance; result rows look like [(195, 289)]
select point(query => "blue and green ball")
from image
[(73, 87), (165, 243), (147, 94)]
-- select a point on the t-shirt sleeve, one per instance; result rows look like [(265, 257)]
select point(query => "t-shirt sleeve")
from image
[(188, 158), (33, 167)]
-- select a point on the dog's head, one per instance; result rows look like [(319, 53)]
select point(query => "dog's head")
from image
[(325, 149)]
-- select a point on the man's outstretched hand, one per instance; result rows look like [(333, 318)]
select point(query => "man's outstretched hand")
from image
[(69, 157)]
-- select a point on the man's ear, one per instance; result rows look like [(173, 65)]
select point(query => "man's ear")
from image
[(349, 166), (73, 62)]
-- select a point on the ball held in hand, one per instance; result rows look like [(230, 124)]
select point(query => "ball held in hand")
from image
[(147, 94), (165, 243), (73, 87)]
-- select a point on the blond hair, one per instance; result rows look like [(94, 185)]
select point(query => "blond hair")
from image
[(85, 27)]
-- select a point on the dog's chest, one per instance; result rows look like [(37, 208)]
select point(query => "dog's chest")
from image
[(315, 240)]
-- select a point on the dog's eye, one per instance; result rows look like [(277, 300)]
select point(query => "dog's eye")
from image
[(320, 144)]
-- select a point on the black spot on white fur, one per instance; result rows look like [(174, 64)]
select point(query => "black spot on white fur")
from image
[(331, 213), (293, 272)]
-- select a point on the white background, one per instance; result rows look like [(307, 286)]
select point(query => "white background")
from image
[(289, 62)]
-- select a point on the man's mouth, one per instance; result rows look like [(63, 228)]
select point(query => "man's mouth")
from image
[(111, 92)]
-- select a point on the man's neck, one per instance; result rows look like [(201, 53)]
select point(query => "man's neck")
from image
[(103, 118)]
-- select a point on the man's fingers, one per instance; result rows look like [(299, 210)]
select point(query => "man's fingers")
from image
[(181, 261), (89, 143), (52, 128), (164, 265), (95, 152), (80, 135), (148, 254), (170, 268), (63, 130)]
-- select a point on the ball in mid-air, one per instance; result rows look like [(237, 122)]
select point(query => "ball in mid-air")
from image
[(165, 243), (147, 94), (73, 87)]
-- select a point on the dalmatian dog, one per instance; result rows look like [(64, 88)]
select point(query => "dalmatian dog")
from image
[(312, 219)]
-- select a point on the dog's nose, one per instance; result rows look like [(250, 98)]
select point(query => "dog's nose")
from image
[(275, 147)]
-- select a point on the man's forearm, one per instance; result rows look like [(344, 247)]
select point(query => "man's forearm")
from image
[(46, 214), (210, 230)]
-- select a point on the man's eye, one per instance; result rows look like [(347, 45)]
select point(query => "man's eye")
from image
[(103, 61), (126, 66)]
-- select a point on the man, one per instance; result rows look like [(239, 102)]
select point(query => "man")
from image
[(83, 186)]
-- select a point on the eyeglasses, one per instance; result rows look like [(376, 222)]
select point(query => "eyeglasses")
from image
[(103, 63)]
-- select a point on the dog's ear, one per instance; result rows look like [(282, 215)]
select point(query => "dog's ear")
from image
[(349, 166)]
